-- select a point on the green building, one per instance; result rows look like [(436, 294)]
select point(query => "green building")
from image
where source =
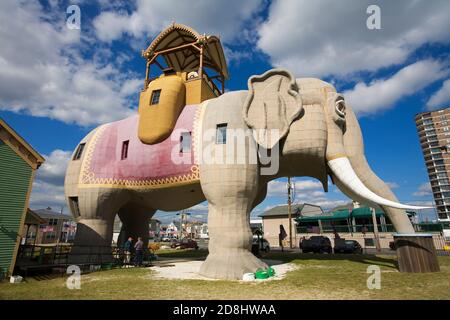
[(344, 220), (18, 163), (347, 220)]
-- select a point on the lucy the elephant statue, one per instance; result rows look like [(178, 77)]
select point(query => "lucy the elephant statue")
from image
[(224, 150)]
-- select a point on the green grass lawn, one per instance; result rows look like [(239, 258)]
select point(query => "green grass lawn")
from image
[(316, 277), (177, 253)]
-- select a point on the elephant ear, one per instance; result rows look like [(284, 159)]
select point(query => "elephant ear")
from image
[(273, 102)]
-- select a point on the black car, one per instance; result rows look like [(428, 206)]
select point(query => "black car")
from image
[(347, 246), (264, 245), (259, 246), (316, 244), (185, 244)]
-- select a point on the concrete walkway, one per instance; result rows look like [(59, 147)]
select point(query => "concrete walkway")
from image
[(188, 270)]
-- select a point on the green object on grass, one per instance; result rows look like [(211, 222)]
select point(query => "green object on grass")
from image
[(264, 274), (261, 274)]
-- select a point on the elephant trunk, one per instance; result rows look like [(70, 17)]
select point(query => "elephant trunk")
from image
[(354, 149)]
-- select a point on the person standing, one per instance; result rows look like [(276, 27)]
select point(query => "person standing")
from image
[(281, 236), (127, 250), (139, 252)]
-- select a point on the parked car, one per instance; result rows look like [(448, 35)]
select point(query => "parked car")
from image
[(316, 244), (185, 244), (169, 239), (347, 246), (264, 245)]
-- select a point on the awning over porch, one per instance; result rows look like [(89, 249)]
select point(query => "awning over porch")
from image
[(343, 214)]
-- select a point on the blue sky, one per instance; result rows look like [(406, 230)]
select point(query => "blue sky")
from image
[(56, 84)]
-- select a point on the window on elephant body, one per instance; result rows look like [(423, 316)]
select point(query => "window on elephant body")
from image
[(221, 133), (124, 153), (79, 151), (155, 97), (185, 142), (73, 203)]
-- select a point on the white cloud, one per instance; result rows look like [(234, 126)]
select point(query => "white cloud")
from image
[(278, 188), (198, 212), (48, 187), (306, 190), (323, 37), (330, 204), (392, 185), (199, 208), (54, 167), (423, 190), (440, 97), (44, 73), (225, 18), (236, 56), (382, 94), (110, 25), (323, 203), (46, 194)]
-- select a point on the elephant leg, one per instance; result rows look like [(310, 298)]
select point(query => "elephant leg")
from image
[(93, 238), (135, 222), (231, 192)]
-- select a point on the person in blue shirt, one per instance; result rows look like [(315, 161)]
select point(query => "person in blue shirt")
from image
[(127, 250)]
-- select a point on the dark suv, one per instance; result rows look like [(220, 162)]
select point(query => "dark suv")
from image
[(347, 246), (316, 244), (185, 244)]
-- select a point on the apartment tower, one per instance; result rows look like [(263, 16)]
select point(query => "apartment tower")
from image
[(434, 135)]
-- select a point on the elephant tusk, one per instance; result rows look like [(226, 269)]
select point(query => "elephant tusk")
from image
[(343, 170)]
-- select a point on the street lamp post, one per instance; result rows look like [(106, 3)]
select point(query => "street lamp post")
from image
[(182, 215)]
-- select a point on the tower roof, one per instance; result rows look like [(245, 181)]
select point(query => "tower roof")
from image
[(180, 47)]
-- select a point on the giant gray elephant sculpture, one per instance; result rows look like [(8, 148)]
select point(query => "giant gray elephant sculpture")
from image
[(316, 133)]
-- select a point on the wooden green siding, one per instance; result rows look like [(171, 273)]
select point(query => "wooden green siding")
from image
[(15, 175)]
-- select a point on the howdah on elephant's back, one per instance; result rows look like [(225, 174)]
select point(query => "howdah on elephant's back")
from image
[(182, 55)]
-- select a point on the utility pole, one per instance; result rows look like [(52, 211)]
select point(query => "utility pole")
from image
[(375, 229), (289, 187), (183, 214), (181, 224)]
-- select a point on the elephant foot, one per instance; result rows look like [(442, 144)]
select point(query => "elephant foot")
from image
[(231, 266)]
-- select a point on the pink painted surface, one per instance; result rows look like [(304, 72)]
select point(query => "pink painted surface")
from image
[(144, 162)]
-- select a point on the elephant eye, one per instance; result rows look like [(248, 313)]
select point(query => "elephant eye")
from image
[(340, 107)]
